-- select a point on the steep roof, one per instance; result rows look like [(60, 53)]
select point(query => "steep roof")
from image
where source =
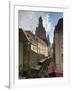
[(29, 36), (22, 36), (59, 26)]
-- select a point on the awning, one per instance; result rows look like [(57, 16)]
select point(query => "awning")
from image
[(36, 67), (43, 60)]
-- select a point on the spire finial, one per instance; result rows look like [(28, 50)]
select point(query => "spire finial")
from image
[(40, 19)]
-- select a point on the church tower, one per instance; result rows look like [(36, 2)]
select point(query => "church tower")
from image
[(40, 30)]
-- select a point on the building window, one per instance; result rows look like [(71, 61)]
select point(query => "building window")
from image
[(62, 57)]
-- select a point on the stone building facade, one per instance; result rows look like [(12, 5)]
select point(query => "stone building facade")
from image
[(58, 45)]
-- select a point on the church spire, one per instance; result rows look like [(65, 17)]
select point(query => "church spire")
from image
[(40, 30), (40, 21), (48, 39)]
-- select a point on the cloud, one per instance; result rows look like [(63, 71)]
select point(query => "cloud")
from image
[(48, 27), (51, 34), (47, 23), (28, 20)]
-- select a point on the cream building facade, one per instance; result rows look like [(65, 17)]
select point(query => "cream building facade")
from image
[(31, 50)]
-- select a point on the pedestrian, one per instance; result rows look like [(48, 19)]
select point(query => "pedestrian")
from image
[(51, 69)]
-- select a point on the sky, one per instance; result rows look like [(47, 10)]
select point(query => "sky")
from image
[(28, 20)]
